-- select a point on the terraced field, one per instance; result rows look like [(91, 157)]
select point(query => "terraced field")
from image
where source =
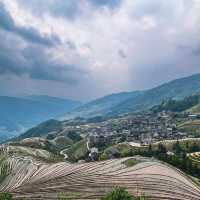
[(195, 157), (91, 181)]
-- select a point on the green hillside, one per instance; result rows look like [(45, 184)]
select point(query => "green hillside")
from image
[(18, 114), (101, 106), (188, 104), (138, 101)]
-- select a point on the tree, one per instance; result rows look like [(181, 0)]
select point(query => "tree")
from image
[(161, 148), (121, 194), (122, 138), (150, 151), (5, 196), (177, 148), (118, 194)]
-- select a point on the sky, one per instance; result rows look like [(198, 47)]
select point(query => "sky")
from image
[(85, 49)]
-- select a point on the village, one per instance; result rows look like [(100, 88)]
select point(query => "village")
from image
[(139, 129)]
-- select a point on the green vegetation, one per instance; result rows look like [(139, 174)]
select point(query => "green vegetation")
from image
[(191, 127), (68, 195), (178, 105), (118, 194), (177, 158), (4, 172), (53, 158), (4, 168), (122, 103), (195, 109), (5, 196), (61, 142), (37, 154), (120, 150), (74, 136), (131, 162), (42, 129), (189, 146), (62, 196), (78, 151), (121, 194)]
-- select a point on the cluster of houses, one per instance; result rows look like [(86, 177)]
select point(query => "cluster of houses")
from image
[(142, 129)]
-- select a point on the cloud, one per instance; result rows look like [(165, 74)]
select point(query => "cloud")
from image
[(122, 53), (57, 8), (35, 61), (69, 9), (106, 46), (108, 3), (28, 33)]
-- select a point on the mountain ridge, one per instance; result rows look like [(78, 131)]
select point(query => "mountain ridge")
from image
[(20, 113), (139, 100)]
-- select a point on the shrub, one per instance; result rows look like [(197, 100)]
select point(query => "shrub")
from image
[(121, 194), (118, 194), (4, 171), (5, 196)]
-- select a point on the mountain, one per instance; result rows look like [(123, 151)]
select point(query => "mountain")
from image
[(17, 114), (138, 101), (42, 129), (188, 104), (102, 105), (176, 89)]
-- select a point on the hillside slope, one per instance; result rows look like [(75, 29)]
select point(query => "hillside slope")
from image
[(138, 101), (18, 114), (101, 106), (188, 104), (33, 180), (176, 89)]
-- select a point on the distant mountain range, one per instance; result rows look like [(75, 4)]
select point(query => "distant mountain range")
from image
[(18, 114), (102, 106), (121, 103)]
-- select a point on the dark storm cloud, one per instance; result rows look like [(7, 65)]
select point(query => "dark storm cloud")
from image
[(11, 60), (24, 51), (27, 33), (45, 68), (33, 61)]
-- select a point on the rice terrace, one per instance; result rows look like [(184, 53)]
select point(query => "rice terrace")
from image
[(99, 100), (36, 180)]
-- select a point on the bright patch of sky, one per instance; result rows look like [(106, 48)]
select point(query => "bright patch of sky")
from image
[(88, 48)]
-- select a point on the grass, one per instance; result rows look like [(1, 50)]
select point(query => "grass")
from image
[(191, 127), (5, 196), (67, 195), (121, 194), (4, 168), (130, 162), (78, 151), (185, 144)]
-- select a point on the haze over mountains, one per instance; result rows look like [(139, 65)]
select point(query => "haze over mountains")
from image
[(18, 114), (121, 103)]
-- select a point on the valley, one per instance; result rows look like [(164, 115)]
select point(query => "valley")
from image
[(148, 152), (99, 100)]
